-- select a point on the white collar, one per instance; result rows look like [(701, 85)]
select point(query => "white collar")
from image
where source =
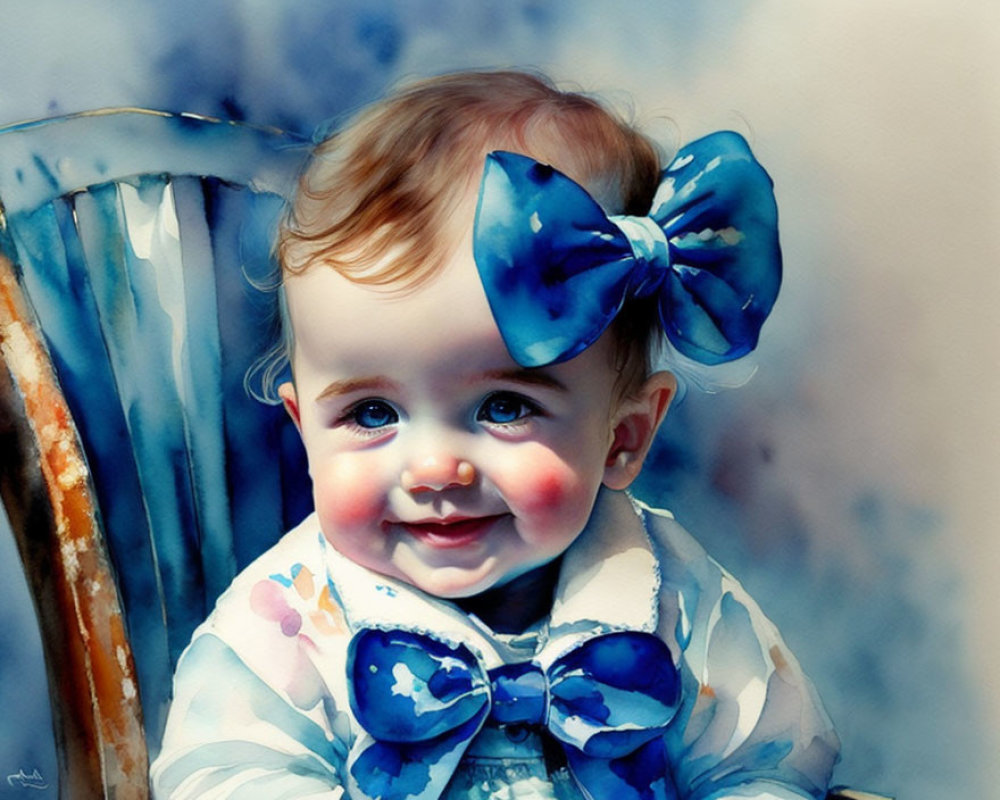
[(609, 580)]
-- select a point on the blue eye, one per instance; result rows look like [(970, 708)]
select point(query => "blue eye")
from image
[(502, 408), (373, 414)]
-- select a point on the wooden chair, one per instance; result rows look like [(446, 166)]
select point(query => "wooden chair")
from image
[(137, 473)]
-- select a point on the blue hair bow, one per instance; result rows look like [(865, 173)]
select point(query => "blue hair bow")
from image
[(557, 269), (421, 701)]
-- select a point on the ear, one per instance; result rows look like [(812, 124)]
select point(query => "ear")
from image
[(633, 427), (286, 392)]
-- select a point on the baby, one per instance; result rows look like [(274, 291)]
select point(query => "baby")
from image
[(477, 608)]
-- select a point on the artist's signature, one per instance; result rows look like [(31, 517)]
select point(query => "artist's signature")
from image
[(27, 780)]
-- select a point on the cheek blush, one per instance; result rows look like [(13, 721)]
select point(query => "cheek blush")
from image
[(549, 489), (544, 487), (349, 498)]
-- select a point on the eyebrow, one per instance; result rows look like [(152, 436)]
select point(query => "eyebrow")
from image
[(532, 377), (371, 383)]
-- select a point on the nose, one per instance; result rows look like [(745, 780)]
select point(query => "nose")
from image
[(434, 473)]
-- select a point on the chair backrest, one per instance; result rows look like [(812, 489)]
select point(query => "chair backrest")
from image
[(137, 473)]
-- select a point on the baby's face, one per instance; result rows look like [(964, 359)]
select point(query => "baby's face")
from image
[(435, 458)]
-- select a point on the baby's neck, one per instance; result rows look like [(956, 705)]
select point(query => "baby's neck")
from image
[(517, 605)]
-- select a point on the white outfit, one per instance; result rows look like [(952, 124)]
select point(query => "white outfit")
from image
[(261, 705)]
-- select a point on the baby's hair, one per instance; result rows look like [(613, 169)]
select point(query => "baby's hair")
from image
[(376, 197), (389, 180)]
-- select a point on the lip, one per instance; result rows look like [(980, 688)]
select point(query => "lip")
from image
[(453, 532)]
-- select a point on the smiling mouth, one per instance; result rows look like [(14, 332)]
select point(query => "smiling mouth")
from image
[(451, 533)]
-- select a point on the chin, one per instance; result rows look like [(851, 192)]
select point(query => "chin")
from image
[(449, 583)]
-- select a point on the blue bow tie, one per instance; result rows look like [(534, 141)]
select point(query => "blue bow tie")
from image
[(422, 701), (557, 270)]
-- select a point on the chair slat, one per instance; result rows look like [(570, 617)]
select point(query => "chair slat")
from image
[(201, 392), (140, 341), (255, 471), (256, 235)]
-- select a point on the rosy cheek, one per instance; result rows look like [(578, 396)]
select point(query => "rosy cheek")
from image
[(348, 496), (548, 490), (543, 489)]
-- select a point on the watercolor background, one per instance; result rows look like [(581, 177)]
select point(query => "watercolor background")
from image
[(851, 485)]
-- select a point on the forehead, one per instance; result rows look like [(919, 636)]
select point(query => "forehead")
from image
[(342, 325)]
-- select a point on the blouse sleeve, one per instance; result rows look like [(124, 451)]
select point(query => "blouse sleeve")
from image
[(230, 734), (750, 723), (258, 709)]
